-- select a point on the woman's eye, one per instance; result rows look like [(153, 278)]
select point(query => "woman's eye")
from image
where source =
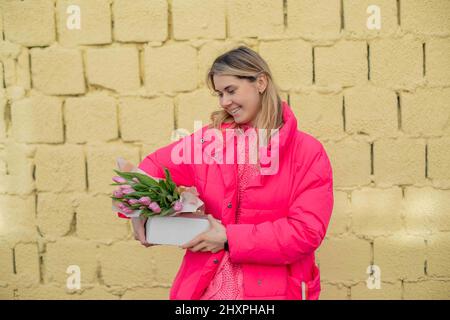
[(220, 94)]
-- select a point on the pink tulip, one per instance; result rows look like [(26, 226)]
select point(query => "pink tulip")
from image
[(127, 210), (125, 186), (128, 191), (145, 201), (154, 207), (119, 179), (118, 194), (178, 206), (133, 201)]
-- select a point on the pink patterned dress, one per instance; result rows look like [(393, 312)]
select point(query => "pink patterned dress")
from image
[(227, 283)]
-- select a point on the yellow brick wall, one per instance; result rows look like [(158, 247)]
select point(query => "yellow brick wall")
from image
[(71, 101)]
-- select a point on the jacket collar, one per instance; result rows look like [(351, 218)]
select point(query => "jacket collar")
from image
[(285, 136), (286, 132)]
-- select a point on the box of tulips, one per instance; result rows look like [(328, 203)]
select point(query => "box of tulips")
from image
[(175, 214)]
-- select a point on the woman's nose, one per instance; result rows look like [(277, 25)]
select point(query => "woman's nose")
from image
[(225, 102)]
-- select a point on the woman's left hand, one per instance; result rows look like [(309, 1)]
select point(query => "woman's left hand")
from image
[(211, 240)]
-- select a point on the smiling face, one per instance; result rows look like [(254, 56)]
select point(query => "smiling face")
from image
[(239, 97)]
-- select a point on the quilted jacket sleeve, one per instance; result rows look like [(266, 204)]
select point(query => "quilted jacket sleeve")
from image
[(285, 240), (154, 163)]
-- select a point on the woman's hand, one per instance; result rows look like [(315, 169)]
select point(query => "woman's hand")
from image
[(211, 240), (138, 224)]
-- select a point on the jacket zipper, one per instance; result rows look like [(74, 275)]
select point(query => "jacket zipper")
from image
[(303, 290)]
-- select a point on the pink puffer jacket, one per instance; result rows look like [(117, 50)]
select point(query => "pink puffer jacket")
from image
[(283, 221)]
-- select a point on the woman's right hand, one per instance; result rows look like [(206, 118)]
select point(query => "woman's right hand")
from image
[(138, 224)]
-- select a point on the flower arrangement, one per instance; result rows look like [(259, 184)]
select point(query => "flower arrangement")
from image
[(140, 194)]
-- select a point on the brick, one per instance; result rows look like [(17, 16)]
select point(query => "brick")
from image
[(399, 161), (340, 218), (101, 160), (155, 293), (44, 291), (9, 72), (57, 71), (333, 292), (15, 93), (350, 161), (6, 293), (356, 18), (69, 251), (2, 86), (162, 74), (30, 115), (427, 290), (140, 20), (55, 212), (415, 17), (20, 213), (400, 256), (94, 211), (95, 22), (1, 22), (97, 293), (387, 291), (9, 50), (318, 114), (425, 112), (91, 118), (29, 23), (60, 168), (167, 262), (27, 263), (314, 19), (344, 64), (426, 210), (199, 23), (2, 119), (437, 53), (371, 110), (127, 264), (195, 106), (6, 263), (396, 62), (290, 62), (17, 172), (438, 255), (159, 112), (377, 212), (149, 148), (262, 19), (338, 263), (23, 69), (113, 68), (439, 159)]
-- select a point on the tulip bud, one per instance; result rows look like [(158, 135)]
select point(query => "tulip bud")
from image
[(133, 201), (128, 191), (178, 206), (154, 207), (119, 179), (145, 201), (117, 194)]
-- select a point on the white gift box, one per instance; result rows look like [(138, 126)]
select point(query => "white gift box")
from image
[(175, 230)]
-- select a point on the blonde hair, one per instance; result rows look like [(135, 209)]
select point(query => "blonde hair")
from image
[(244, 63)]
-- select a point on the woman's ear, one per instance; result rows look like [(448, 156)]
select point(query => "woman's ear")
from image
[(261, 83)]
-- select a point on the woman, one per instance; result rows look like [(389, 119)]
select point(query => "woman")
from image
[(267, 219)]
